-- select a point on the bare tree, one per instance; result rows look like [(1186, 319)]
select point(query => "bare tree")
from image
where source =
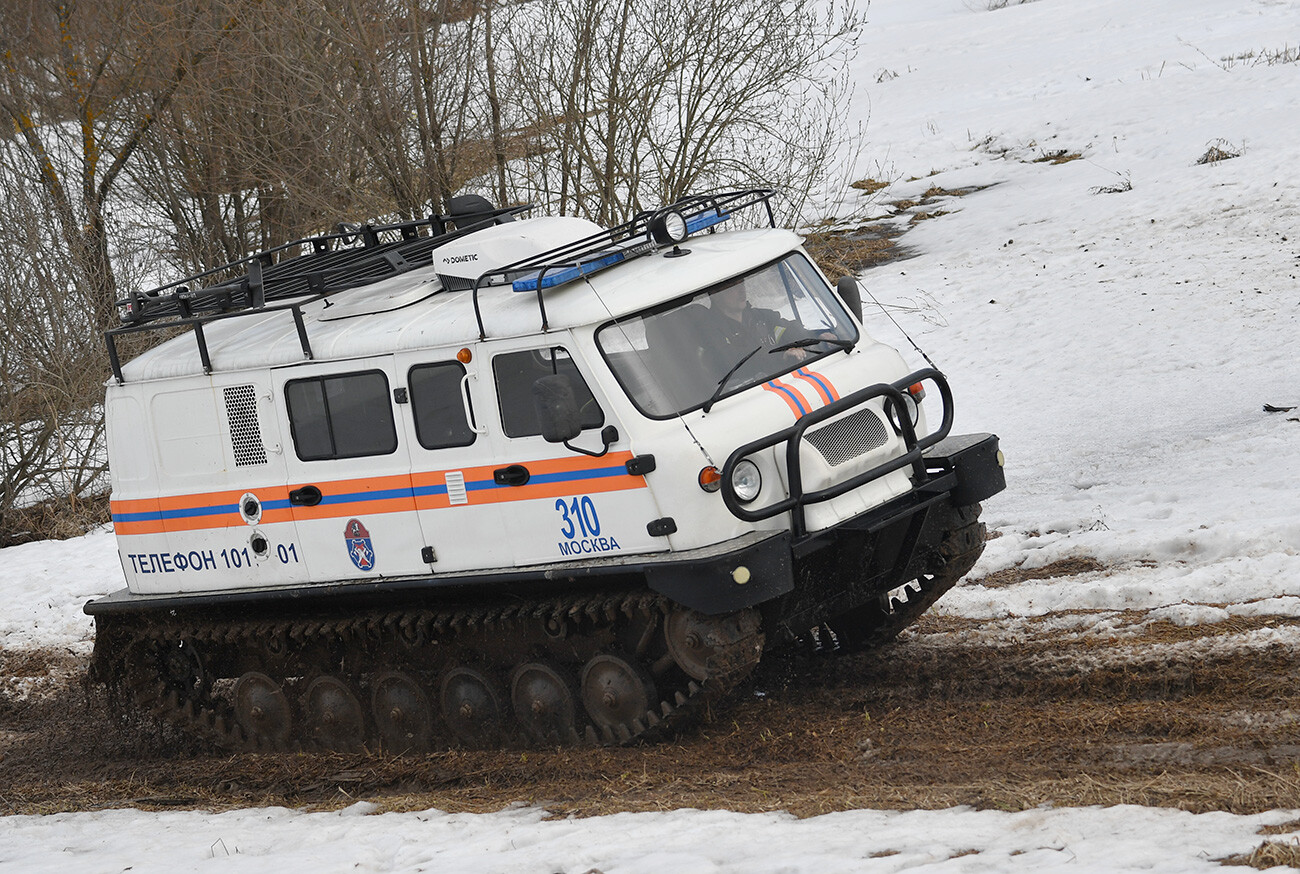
[(82, 85), (50, 360), (632, 105)]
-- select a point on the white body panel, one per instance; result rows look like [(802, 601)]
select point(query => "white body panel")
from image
[(427, 507)]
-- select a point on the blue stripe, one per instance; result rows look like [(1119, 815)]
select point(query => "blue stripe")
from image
[(183, 513), (803, 371), (421, 491), (792, 395), (150, 516), (359, 497), (548, 478), (576, 475)]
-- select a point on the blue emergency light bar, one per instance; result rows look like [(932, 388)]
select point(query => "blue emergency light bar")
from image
[(645, 233), (563, 274)]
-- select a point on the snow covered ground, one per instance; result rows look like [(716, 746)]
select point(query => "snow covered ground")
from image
[(1119, 319)]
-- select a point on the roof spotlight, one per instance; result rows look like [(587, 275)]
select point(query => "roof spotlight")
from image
[(668, 228)]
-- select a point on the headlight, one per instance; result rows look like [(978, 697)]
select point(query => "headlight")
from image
[(913, 412), (746, 481)]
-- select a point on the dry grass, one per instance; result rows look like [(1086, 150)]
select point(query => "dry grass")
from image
[(1219, 150), (1066, 567), (870, 186), (1060, 156), (848, 253), (1270, 854), (53, 520)]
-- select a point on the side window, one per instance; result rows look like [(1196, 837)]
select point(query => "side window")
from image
[(515, 374), (436, 403), (343, 416)]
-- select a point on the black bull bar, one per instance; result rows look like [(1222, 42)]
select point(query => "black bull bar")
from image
[(798, 499)]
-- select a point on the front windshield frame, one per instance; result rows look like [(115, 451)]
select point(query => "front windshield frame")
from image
[(670, 358)]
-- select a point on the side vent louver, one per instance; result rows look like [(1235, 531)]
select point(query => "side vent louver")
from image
[(245, 433)]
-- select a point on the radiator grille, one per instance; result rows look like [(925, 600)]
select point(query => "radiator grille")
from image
[(845, 439), (245, 432)]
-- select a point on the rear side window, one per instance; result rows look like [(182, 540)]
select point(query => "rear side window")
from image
[(437, 404), (342, 416), (515, 374)]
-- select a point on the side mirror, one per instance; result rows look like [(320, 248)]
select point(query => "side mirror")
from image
[(557, 409), (848, 291)]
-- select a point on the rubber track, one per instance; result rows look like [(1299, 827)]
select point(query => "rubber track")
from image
[(874, 625), (213, 720)]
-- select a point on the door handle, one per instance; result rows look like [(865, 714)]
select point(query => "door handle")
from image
[(307, 496), (514, 475)]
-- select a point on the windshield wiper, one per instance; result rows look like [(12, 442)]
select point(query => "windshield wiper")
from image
[(784, 347), (812, 341), (708, 405)]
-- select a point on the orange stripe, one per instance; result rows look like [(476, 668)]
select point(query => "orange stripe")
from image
[(817, 386), (789, 402), (405, 499)]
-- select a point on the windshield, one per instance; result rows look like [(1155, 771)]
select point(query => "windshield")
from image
[(734, 335)]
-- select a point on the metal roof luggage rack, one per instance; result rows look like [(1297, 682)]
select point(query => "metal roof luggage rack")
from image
[(260, 283)]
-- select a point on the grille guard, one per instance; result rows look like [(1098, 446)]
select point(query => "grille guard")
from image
[(793, 438)]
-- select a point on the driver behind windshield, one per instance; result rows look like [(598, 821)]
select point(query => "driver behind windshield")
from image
[(744, 327)]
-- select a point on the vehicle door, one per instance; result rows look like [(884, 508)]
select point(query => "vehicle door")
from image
[(558, 503), (349, 471), (451, 458), (199, 499)]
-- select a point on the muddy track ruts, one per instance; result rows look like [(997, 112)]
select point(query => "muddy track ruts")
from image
[(1204, 717)]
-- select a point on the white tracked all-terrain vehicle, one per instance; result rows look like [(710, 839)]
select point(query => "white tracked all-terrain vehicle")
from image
[(482, 480)]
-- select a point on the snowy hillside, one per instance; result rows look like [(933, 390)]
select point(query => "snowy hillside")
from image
[(1122, 344), (1116, 308)]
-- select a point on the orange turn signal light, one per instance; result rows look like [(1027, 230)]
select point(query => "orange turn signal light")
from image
[(710, 479)]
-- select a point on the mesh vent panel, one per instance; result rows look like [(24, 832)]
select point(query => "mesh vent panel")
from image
[(245, 433), (845, 439)]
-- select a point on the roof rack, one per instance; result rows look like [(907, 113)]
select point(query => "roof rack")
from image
[(620, 243), (277, 280)]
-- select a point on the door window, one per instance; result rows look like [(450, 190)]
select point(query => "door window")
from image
[(341, 416), (515, 374), (437, 404)]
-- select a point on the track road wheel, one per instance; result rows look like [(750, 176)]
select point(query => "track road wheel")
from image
[(182, 668), (615, 692), (705, 646), (473, 706), (401, 712), (544, 702), (333, 714), (262, 710)]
